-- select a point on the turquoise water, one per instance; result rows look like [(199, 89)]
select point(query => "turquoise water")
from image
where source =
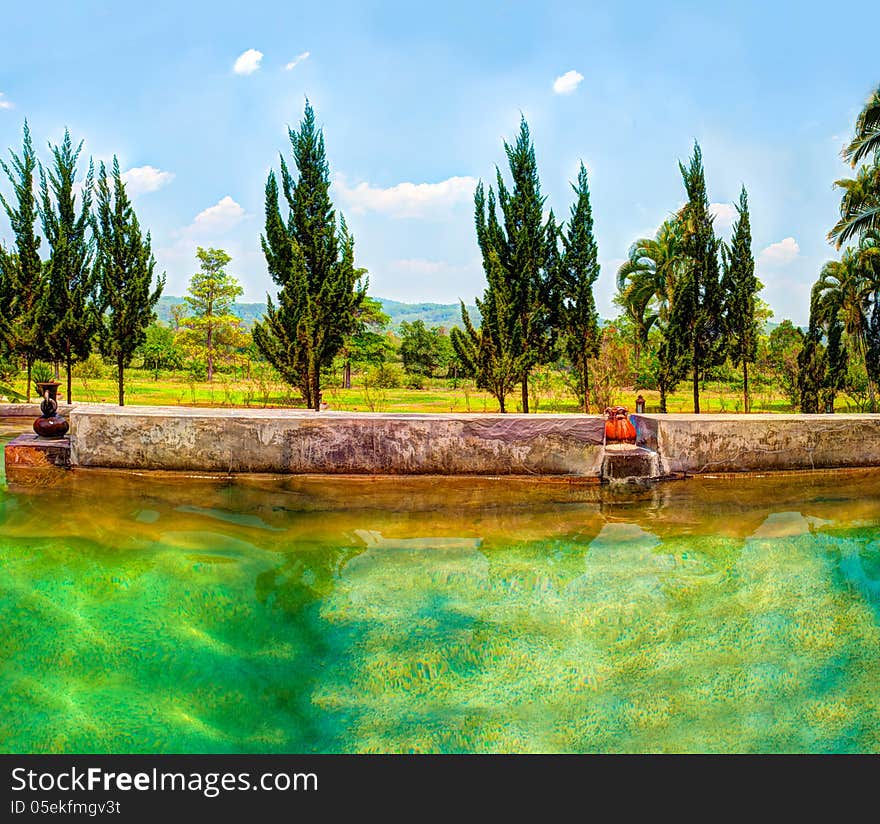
[(332, 615)]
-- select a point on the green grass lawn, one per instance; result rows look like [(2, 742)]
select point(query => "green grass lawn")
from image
[(175, 389)]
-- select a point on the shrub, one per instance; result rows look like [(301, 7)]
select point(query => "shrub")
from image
[(385, 376), (9, 367), (196, 370), (92, 367)]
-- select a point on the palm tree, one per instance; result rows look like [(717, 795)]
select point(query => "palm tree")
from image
[(645, 284), (860, 204), (647, 277), (866, 141), (850, 287)]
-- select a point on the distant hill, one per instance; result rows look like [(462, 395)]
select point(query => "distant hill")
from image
[(433, 314), (248, 312)]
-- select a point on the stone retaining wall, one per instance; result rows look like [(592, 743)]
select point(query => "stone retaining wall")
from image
[(699, 444), (287, 441), (306, 442)]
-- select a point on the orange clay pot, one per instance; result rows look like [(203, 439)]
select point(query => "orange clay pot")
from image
[(618, 428)]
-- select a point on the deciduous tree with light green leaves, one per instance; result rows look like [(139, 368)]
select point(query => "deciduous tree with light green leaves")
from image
[(160, 349), (210, 298), (368, 343), (311, 258), (424, 351), (127, 294)]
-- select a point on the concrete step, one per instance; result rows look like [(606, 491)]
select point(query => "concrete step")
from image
[(33, 460), (624, 462)]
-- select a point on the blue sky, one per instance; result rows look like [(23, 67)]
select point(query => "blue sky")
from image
[(415, 100)]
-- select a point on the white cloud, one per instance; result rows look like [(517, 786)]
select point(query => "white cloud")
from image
[(247, 62), (5, 103), (218, 218), (567, 83), (781, 253), (142, 179), (296, 61), (406, 199), (724, 213), (213, 226)]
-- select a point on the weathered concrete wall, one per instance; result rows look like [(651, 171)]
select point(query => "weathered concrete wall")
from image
[(753, 443), (244, 440)]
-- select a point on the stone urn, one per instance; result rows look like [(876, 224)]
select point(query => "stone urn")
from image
[(50, 424), (618, 428)]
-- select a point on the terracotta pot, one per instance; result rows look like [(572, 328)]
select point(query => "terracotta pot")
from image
[(626, 432), (610, 426), (618, 428)]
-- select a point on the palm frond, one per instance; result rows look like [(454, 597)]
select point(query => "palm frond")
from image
[(10, 393), (854, 226), (866, 140)]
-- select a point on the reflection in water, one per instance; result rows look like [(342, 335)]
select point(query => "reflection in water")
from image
[(312, 614)]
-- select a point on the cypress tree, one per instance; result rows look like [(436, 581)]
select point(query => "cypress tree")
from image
[(670, 367), (872, 353), (812, 360), (70, 283), (311, 258), (485, 352), (696, 328), (740, 288), (492, 353), (22, 270), (578, 318), (124, 268), (836, 360), (520, 250)]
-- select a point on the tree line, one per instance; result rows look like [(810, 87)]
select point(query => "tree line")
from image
[(844, 327), (96, 286), (689, 300), (695, 291)]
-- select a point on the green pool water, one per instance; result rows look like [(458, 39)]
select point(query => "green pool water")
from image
[(332, 615)]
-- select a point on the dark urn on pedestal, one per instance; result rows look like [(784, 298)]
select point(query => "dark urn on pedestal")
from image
[(50, 424)]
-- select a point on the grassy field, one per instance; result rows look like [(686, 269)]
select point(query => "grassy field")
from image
[(175, 389)]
